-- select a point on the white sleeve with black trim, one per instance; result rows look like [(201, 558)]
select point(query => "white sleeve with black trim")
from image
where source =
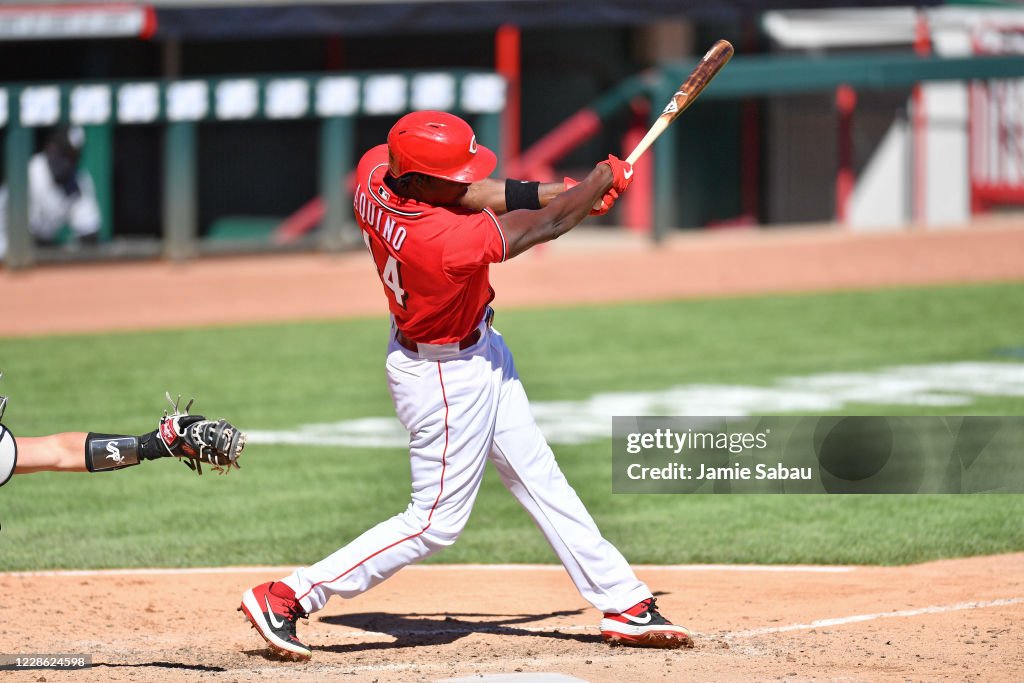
[(8, 454)]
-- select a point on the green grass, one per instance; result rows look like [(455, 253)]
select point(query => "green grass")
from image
[(294, 505)]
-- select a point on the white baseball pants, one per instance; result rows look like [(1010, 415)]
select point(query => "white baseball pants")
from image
[(462, 408)]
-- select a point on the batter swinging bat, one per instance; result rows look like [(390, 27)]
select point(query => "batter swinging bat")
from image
[(713, 61)]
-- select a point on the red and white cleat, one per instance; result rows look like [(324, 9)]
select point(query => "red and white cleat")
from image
[(643, 626), (273, 610)]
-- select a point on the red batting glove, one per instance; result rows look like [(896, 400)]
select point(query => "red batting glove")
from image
[(622, 173), (603, 205)]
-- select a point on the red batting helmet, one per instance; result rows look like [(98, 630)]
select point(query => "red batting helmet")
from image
[(438, 144)]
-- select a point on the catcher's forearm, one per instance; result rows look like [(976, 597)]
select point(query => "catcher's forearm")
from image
[(190, 438), (54, 453), (64, 452), (105, 452)]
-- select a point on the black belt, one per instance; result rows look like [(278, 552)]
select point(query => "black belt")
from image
[(464, 343), (472, 338)]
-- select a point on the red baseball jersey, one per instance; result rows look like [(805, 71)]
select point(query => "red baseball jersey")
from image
[(432, 260)]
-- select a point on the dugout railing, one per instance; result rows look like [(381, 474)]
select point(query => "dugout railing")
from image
[(337, 100), (752, 77), (180, 106)]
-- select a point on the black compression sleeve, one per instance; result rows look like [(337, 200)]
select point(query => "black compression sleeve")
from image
[(522, 194), (110, 451), (115, 451)]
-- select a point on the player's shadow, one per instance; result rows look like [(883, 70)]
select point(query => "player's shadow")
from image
[(415, 630), (161, 665)]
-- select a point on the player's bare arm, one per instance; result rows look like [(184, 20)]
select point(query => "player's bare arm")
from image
[(525, 229), (63, 452), (493, 193), (501, 196), (193, 438)]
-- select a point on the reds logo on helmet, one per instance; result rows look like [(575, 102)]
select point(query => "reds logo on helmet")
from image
[(438, 144)]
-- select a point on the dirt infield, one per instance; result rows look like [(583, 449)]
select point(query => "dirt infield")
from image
[(955, 619), (592, 267)]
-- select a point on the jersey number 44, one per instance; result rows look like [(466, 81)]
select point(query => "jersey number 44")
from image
[(391, 276)]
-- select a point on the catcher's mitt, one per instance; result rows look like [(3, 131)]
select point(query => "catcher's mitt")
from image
[(196, 440)]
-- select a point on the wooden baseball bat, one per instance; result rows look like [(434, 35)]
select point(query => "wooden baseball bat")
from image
[(708, 68)]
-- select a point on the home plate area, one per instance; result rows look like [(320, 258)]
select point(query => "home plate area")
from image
[(527, 623)]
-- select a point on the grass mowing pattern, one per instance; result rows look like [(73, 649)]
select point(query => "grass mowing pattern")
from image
[(294, 505)]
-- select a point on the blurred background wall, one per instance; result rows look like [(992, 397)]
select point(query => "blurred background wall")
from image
[(854, 156)]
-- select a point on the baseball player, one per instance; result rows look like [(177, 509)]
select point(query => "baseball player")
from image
[(192, 437), (60, 193), (433, 223)]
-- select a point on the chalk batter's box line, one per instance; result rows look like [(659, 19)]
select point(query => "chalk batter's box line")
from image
[(820, 623), (731, 635), (185, 571)]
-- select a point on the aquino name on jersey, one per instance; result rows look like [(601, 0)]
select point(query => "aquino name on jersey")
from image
[(375, 218)]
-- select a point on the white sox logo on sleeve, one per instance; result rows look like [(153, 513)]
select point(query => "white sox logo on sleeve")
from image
[(115, 452)]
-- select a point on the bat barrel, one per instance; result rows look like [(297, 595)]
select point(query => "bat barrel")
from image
[(716, 58)]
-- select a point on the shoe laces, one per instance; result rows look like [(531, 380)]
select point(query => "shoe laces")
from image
[(292, 608), (295, 612), (651, 604)]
